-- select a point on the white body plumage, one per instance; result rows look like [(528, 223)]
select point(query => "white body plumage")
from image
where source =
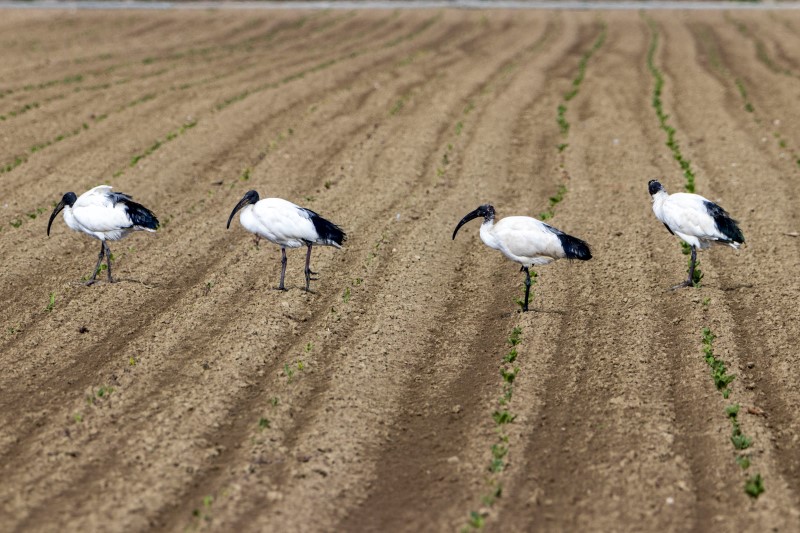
[(99, 213), (104, 215), (288, 225), (523, 239), (283, 223), (696, 220), (526, 241), (687, 215)]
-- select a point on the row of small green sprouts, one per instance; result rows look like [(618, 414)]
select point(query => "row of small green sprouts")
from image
[(764, 57), (563, 124), (561, 117), (658, 105), (761, 49), (502, 416), (754, 484), (39, 146), (672, 142), (300, 74), (19, 160), (714, 58)]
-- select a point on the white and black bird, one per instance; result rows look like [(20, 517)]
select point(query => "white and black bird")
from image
[(695, 220), (106, 216), (526, 241), (287, 225)]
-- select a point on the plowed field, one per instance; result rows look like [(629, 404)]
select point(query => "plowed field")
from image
[(190, 395)]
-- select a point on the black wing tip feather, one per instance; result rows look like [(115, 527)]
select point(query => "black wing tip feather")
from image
[(724, 223), (140, 216), (574, 248), (327, 232)]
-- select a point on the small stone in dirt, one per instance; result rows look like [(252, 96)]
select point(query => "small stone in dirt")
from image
[(670, 500), (456, 409), (452, 460), (274, 496), (750, 364), (83, 329)]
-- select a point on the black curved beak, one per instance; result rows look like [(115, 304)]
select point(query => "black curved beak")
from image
[(474, 214), (243, 202), (56, 211)]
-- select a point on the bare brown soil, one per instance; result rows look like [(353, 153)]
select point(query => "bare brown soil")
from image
[(192, 396)]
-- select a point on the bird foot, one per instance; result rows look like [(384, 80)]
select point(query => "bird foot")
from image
[(281, 288), (687, 283), (90, 282)]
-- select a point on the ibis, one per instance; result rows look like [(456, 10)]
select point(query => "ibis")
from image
[(695, 220), (288, 225), (106, 216), (526, 241)]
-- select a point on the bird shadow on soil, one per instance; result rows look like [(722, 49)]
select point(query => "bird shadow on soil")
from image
[(730, 288), (119, 280)]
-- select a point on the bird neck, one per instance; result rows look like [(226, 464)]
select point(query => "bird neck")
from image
[(659, 197), (487, 235)]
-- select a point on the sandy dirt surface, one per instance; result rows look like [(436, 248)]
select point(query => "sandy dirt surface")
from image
[(192, 396)]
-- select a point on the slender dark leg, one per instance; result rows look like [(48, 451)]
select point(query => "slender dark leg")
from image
[(527, 288), (99, 261), (108, 261), (308, 267), (283, 269), (689, 282)]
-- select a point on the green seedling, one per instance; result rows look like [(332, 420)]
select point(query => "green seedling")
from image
[(511, 356), (509, 376), (459, 127), (346, 295), (132, 361), (503, 417), (516, 336), (78, 418), (16, 222), (754, 486), (288, 372), (301, 366), (743, 461), (274, 401), (476, 520), (263, 423), (563, 125), (741, 442), (104, 391), (52, 303)]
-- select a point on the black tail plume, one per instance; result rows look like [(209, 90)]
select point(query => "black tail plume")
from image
[(574, 248), (725, 224), (327, 232)]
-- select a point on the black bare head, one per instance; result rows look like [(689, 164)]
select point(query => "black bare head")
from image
[(486, 211), (68, 200), (250, 197), (654, 187)]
